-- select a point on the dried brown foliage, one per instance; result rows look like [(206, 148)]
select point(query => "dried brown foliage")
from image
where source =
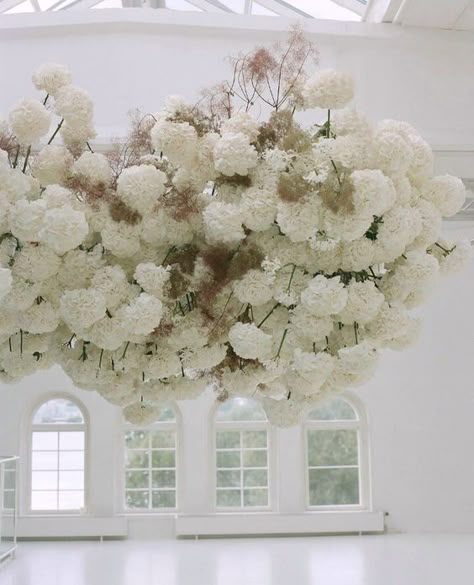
[(292, 187), (271, 76), (120, 211), (181, 204), (338, 196)]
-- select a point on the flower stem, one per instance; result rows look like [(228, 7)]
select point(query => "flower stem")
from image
[(56, 131), (281, 343), (268, 315), (28, 152)]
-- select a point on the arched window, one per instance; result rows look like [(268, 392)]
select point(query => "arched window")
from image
[(336, 447), (57, 457), (242, 455), (150, 464)]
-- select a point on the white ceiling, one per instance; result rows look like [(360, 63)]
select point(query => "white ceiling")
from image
[(443, 14)]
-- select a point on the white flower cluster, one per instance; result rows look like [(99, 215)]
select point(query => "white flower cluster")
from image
[(253, 257)]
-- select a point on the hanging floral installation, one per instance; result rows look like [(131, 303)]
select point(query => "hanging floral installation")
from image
[(223, 246)]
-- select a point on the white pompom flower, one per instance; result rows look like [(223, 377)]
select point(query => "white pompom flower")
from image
[(5, 281), (29, 121), (324, 296), (234, 155), (51, 77), (328, 89), (250, 342), (63, 229)]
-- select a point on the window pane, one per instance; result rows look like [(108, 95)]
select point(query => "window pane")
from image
[(256, 497), (42, 500), (9, 480), (44, 480), (71, 480), (162, 439), (137, 459), (333, 409), (255, 458), (255, 478), (228, 439), (71, 440), (44, 460), (136, 439), (164, 479), (139, 499), (45, 441), (240, 409), (72, 500), (137, 479), (9, 500), (163, 459), (164, 499), (333, 487), (58, 411), (332, 447), (228, 459), (71, 459), (228, 478), (228, 498), (255, 438)]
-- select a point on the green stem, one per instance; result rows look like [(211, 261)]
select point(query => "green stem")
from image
[(291, 278), (56, 131), (25, 164), (281, 342), (268, 315), (328, 134)]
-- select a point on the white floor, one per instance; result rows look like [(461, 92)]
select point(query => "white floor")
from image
[(341, 560)]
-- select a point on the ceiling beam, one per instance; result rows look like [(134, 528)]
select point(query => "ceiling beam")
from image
[(381, 10), (430, 14), (356, 6), (210, 5)]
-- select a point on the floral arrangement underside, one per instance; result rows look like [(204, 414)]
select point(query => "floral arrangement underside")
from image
[(223, 245)]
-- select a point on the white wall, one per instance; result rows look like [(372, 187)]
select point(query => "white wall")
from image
[(420, 404)]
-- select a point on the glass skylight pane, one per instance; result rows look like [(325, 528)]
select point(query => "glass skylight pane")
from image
[(23, 7), (261, 10), (324, 9), (237, 6)]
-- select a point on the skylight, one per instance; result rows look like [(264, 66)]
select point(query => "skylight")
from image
[(320, 9)]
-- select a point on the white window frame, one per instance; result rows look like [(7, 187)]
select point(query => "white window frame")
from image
[(174, 426), (360, 424), (271, 461), (74, 427)]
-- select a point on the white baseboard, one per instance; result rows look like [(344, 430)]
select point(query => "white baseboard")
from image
[(71, 527), (309, 523)]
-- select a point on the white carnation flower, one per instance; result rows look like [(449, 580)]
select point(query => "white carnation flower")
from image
[(26, 219), (176, 140), (63, 229), (205, 358), (305, 325), (373, 194), (446, 193), (29, 121), (141, 413), (51, 77), (259, 207), (52, 164), (392, 153), (324, 296), (74, 104), (233, 154), (142, 315), (81, 308), (243, 123), (36, 263), (314, 368), (223, 223), (140, 187), (250, 342), (107, 333), (93, 168), (328, 89), (41, 317), (152, 278), (300, 220), (120, 238), (112, 282), (355, 365), (255, 287), (458, 258), (357, 255), (160, 229), (364, 302)]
